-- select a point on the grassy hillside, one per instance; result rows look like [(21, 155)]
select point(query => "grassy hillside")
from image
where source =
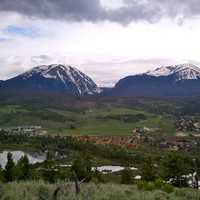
[(42, 191)]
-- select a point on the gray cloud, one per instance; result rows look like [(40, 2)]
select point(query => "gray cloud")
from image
[(92, 10), (59, 9)]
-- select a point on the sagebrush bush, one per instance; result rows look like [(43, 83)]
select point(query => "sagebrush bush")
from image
[(159, 183), (167, 188), (141, 185), (7, 198), (150, 186), (1, 191), (43, 193), (161, 196), (147, 186)]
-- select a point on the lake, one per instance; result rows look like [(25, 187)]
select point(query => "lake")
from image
[(33, 157)]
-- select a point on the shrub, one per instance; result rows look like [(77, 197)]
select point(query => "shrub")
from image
[(98, 177), (148, 171), (179, 193), (141, 185), (159, 183), (43, 193), (167, 188), (1, 191), (7, 198), (150, 187), (161, 196), (126, 177)]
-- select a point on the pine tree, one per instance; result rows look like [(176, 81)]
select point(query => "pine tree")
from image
[(9, 168), (49, 174), (23, 168)]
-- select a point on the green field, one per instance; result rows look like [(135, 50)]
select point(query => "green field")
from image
[(99, 120), (103, 116)]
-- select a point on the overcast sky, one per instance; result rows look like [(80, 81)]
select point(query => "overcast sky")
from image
[(106, 39)]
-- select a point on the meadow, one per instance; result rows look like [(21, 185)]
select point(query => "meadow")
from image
[(99, 120)]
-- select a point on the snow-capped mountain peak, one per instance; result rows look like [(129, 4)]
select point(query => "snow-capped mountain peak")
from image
[(51, 71), (59, 77), (181, 72)]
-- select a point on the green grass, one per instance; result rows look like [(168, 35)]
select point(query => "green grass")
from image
[(8, 108), (35, 190), (101, 120), (91, 124)]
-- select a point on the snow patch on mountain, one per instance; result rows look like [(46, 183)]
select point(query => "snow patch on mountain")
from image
[(181, 72)]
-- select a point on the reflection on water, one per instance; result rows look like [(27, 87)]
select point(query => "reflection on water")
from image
[(33, 157)]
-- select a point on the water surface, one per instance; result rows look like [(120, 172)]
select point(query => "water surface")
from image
[(16, 155)]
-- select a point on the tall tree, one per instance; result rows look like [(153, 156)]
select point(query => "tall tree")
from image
[(23, 168), (9, 168), (82, 167), (49, 173)]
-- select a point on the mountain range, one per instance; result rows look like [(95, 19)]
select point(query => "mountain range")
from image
[(175, 80)]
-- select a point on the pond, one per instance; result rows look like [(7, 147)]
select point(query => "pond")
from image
[(16, 155), (110, 169)]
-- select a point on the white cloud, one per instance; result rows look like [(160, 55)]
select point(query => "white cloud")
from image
[(106, 51)]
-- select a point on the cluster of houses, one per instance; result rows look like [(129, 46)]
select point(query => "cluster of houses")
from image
[(141, 130), (175, 145), (22, 130), (186, 124)]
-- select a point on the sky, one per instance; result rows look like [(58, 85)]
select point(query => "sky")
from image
[(106, 39)]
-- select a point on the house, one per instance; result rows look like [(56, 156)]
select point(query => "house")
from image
[(22, 130)]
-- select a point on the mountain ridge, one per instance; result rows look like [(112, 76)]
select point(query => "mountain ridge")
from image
[(54, 77), (175, 80)]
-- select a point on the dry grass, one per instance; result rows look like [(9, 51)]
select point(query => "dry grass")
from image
[(38, 190)]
